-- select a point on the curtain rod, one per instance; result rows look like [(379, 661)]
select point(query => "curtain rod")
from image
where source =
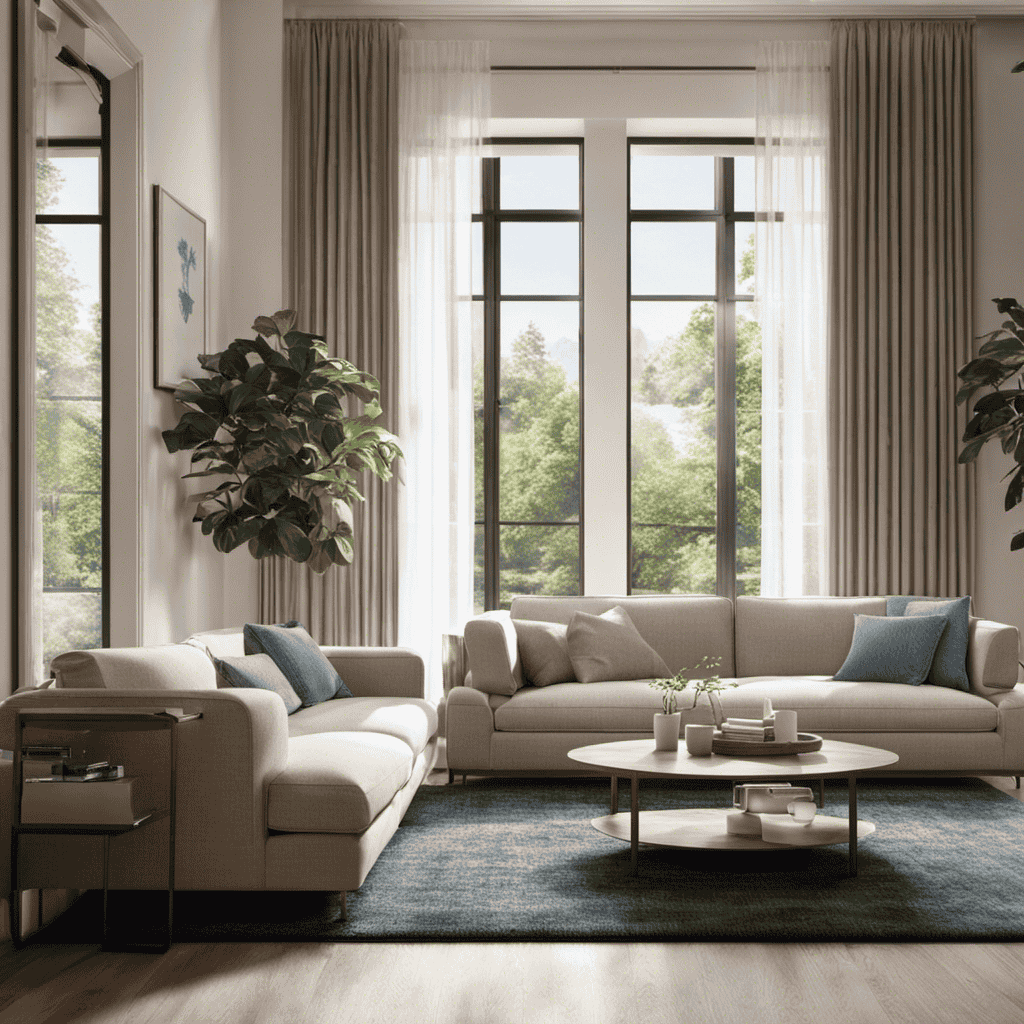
[(616, 68)]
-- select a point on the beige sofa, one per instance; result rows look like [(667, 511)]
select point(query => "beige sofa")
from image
[(264, 800), (785, 649)]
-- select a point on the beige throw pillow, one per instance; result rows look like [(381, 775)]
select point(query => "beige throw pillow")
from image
[(544, 652), (609, 646)]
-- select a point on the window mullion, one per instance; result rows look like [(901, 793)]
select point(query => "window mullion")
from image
[(492, 369), (725, 382)]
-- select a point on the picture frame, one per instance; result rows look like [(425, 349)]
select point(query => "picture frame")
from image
[(179, 290)]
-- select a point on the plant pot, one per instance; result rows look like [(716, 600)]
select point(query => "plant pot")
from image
[(699, 739), (666, 730)]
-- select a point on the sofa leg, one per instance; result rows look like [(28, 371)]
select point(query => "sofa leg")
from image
[(1018, 781), (344, 906), (451, 777)]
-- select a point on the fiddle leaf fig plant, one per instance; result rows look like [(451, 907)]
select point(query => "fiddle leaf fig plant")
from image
[(280, 426), (999, 414)]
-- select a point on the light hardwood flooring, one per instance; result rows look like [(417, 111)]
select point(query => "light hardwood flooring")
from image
[(532, 983)]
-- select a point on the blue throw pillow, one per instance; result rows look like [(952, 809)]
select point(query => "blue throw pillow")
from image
[(898, 650), (299, 657), (949, 666), (260, 672)]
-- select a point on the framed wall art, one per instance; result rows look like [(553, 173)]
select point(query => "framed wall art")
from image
[(179, 290)]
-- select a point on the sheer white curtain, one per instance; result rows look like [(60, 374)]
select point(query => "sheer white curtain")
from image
[(791, 292), (443, 107)]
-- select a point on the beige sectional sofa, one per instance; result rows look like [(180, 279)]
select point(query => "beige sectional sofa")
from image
[(785, 649), (264, 800)]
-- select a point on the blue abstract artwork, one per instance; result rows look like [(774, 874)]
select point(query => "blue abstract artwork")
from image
[(188, 261)]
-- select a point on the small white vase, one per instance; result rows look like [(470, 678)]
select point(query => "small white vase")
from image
[(666, 730), (699, 739)]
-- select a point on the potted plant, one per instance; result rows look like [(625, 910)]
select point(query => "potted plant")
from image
[(279, 425), (999, 414), (666, 722)]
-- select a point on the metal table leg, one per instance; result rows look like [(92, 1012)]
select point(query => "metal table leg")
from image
[(634, 822), (615, 795), (853, 826)]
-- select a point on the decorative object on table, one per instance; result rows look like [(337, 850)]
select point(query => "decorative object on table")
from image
[(743, 823), (767, 798), (785, 727), (802, 811), (712, 685), (805, 743), (274, 423), (999, 415), (59, 801), (699, 739), (179, 289), (666, 730)]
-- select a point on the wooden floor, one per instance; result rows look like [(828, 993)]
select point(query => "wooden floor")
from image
[(533, 983)]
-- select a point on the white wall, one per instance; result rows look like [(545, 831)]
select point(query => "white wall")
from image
[(197, 87), (999, 272)]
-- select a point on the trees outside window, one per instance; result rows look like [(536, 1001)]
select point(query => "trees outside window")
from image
[(69, 584), (695, 371), (527, 297)]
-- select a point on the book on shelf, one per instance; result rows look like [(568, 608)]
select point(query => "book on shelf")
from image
[(56, 801), (39, 767), (110, 771), (52, 751)]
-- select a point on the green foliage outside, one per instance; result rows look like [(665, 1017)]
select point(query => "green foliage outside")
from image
[(539, 465), (68, 441)]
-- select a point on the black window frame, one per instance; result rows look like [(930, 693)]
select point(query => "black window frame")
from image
[(725, 217), (491, 216), (102, 219)]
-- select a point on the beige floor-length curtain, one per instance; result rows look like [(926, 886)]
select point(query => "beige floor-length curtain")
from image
[(901, 300), (340, 251)]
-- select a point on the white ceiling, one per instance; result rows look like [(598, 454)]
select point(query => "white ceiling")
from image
[(650, 9)]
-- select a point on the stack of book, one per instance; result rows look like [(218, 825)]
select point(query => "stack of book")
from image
[(757, 730), (58, 791)]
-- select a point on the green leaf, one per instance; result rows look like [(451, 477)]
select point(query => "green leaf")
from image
[(1017, 541), (1015, 490), (1006, 305), (295, 543), (265, 326), (971, 450)]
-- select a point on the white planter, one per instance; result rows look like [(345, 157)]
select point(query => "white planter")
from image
[(666, 730), (698, 740)]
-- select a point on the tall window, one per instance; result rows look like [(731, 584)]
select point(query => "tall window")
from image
[(527, 297), (695, 369), (71, 278)]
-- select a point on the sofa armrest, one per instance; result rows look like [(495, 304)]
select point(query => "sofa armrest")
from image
[(492, 650), (469, 724), (379, 671), (226, 761), (992, 652)]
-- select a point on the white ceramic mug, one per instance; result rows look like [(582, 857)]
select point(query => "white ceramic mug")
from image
[(698, 739), (785, 726), (803, 811)]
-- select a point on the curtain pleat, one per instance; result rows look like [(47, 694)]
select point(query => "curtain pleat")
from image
[(340, 275), (901, 300)]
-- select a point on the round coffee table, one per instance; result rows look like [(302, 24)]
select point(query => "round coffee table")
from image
[(706, 828)]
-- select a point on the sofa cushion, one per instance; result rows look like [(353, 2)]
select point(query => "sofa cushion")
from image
[(800, 636), (949, 665), (682, 628), (220, 643), (259, 672), (164, 667), (337, 781), (821, 704), (608, 646), (828, 705), (898, 650), (408, 719), (299, 657), (544, 652)]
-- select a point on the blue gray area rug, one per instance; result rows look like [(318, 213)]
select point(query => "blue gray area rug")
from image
[(504, 859)]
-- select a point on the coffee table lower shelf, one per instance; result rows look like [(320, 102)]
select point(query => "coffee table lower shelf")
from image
[(703, 828)]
